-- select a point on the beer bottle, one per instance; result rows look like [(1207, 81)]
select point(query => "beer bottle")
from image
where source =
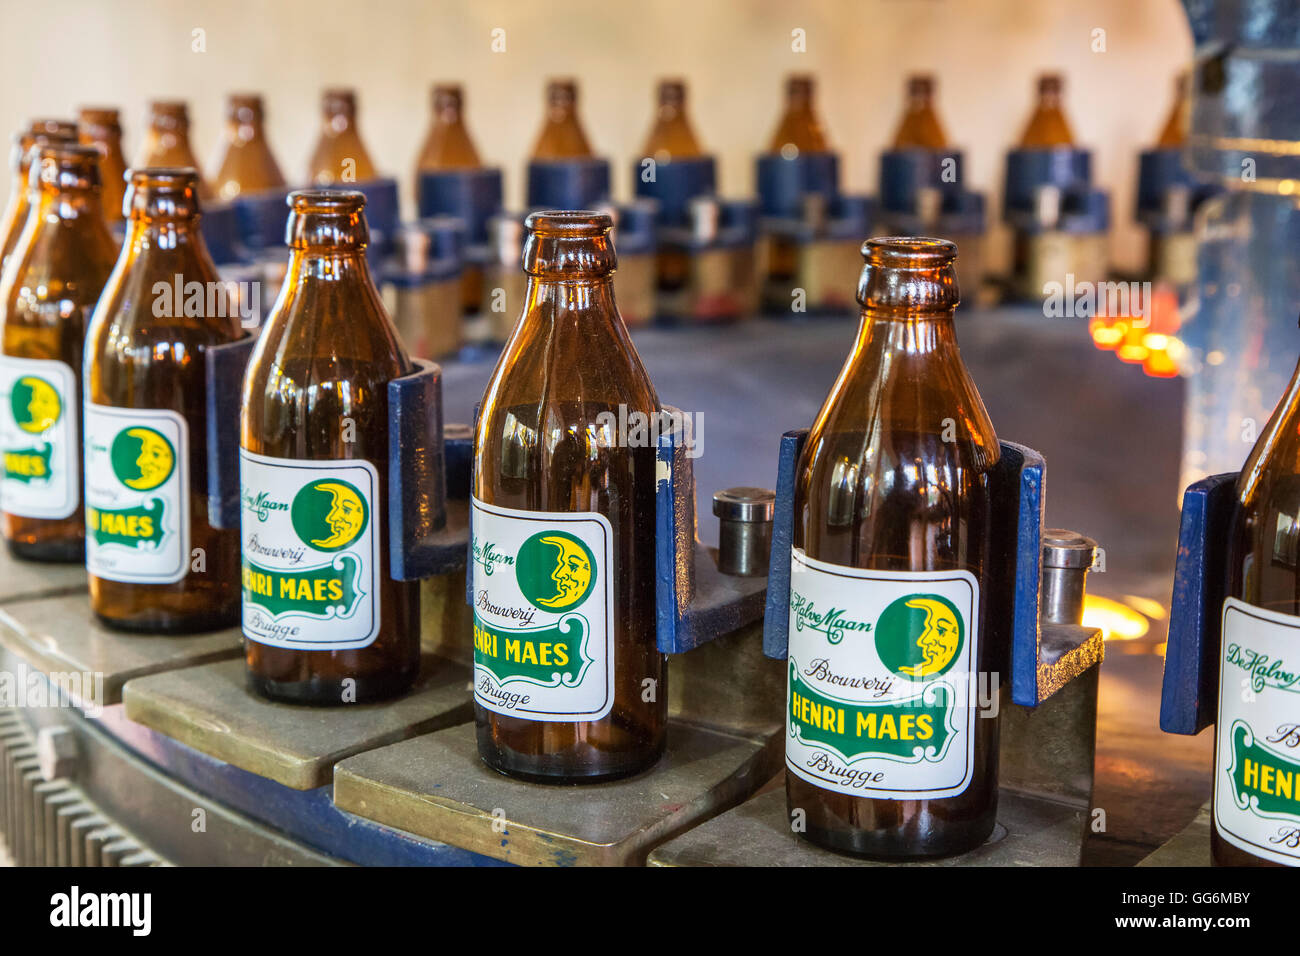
[(1174, 133), (448, 145), (100, 126), (20, 162), (1255, 816), (561, 136), (569, 685), (340, 156), (886, 755), (800, 129), (323, 620), (155, 564), (920, 127), (167, 141), (50, 285), (671, 137), (1047, 127), (246, 164)]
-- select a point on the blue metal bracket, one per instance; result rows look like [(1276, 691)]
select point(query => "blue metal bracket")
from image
[(428, 527), (225, 380), (1015, 560), (1189, 692)]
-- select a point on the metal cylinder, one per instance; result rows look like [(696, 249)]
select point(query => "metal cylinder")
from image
[(744, 529), (1067, 558)]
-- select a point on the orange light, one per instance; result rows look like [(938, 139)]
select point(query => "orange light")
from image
[(1117, 622)]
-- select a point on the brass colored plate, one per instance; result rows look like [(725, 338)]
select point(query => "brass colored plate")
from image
[(24, 580), (1189, 847), (210, 709), (435, 786), (60, 635), (757, 833)]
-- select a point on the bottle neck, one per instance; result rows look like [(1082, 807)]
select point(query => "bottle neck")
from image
[(340, 264), (588, 300), (888, 341)]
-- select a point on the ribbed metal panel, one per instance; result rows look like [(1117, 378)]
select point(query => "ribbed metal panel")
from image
[(52, 822)]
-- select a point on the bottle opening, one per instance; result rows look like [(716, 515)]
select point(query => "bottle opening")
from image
[(909, 274), (98, 116), (562, 92), (329, 218), (162, 192), (59, 166), (54, 129), (245, 107), (446, 96), (672, 92), (920, 86), (339, 101), (569, 224), (171, 178), (1049, 84), (169, 114)]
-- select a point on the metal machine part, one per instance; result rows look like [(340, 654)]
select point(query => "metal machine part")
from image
[(744, 529), (1067, 559)]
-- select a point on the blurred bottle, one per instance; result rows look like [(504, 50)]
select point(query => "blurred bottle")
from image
[(562, 136), (340, 156), (800, 128), (1047, 127), (920, 127), (671, 137), (246, 165), (102, 128), (167, 140), (1174, 133), (146, 422), (448, 145), (324, 620), (50, 285), (38, 132)]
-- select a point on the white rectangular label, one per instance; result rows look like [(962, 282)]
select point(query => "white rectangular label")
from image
[(40, 438)]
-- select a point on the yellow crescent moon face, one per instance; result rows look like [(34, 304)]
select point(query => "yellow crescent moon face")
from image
[(572, 574), (940, 639), (156, 460), (346, 516), (44, 408)]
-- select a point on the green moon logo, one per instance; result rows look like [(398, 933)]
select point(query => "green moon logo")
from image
[(919, 636), (36, 404), (329, 514), (142, 458), (555, 570)]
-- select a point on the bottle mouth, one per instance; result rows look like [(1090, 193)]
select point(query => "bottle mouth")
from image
[(569, 223), (60, 166), (169, 115), (99, 116), (327, 218), (162, 192), (339, 101), (171, 178), (562, 92), (909, 275), (54, 129)]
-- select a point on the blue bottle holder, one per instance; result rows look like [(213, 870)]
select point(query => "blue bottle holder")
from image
[(694, 601), (568, 183), (262, 220), (783, 183), (472, 195), (428, 531), (220, 228), (1189, 693), (1080, 213), (444, 257), (1015, 562), (1159, 172), (1066, 168), (674, 185), (905, 172), (737, 226), (634, 233)]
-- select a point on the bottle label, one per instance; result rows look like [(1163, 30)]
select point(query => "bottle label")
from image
[(137, 494), (1257, 735), (39, 438), (880, 699), (543, 604), (310, 552)]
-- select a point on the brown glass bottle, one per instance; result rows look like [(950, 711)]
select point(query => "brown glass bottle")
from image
[(1251, 822), (167, 141), (887, 615), (448, 144), (323, 620), (920, 127), (1047, 127), (20, 163), (800, 128), (569, 683), (562, 136), (1174, 133), (340, 155), (100, 126), (246, 165), (154, 562), (50, 285), (671, 137)]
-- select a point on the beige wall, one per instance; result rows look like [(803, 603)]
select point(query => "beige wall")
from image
[(61, 53)]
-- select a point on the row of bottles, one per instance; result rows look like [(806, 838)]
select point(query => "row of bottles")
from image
[(104, 390), (246, 164)]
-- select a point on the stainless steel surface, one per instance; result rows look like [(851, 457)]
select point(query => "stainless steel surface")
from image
[(744, 529), (1067, 558)]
